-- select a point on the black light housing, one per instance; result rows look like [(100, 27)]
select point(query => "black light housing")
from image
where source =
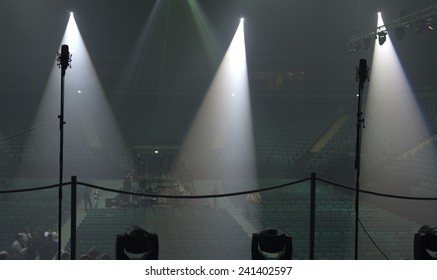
[(430, 23), (271, 244), (137, 244), (425, 243), (382, 37)]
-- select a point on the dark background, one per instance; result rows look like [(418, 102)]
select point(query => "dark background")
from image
[(281, 35)]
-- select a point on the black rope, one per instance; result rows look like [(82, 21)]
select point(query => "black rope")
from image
[(194, 196), (218, 195), (335, 184), (376, 193)]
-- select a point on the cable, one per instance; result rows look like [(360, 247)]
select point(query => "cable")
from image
[(371, 239)]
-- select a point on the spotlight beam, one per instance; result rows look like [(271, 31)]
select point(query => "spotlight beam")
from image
[(395, 126), (91, 121), (220, 142)]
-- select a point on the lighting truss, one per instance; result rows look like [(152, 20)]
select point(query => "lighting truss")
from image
[(408, 21)]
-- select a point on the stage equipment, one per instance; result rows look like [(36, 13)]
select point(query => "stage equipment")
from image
[(425, 243), (362, 74), (63, 62), (137, 244), (355, 47), (271, 244), (430, 23), (382, 37), (405, 21)]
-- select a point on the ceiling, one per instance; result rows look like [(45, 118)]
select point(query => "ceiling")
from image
[(281, 35)]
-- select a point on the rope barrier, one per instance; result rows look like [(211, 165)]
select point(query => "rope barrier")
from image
[(226, 194), (220, 195), (194, 196), (376, 193), (34, 188)]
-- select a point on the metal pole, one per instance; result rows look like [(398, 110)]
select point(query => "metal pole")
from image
[(73, 217), (61, 162), (312, 214), (361, 76), (63, 63)]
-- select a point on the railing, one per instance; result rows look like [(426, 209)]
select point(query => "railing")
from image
[(210, 221)]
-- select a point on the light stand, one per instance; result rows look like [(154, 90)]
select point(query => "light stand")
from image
[(362, 74), (64, 59)]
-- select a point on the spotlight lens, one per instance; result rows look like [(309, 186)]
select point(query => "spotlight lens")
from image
[(71, 13), (242, 19)]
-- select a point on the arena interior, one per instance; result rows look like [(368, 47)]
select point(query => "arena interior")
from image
[(206, 122)]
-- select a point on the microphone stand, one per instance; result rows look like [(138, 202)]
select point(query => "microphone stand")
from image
[(361, 76), (64, 59)]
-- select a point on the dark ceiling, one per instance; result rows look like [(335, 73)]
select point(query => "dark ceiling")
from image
[(281, 35)]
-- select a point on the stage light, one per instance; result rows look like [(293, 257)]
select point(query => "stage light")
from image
[(204, 28), (219, 143), (382, 37), (355, 47), (391, 107), (425, 243), (271, 244), (71, 14), (242, 19), (417, 21), (430, 23), (89, 119), (137, 244)]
